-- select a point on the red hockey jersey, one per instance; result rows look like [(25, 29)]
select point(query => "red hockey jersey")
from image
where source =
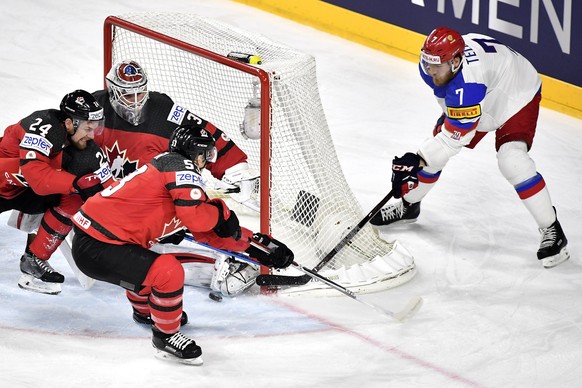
[(36, 142), (153, 202), (129, 147)]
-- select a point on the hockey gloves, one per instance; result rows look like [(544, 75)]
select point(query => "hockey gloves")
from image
[(279, 256), (405, 174), (227, 225), (87, 186), (439, 125)]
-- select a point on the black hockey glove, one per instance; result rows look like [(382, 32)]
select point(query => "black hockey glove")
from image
[(405, 174), (279, 256), (227, 225), (87, 185), (439, 125), (174, 238)]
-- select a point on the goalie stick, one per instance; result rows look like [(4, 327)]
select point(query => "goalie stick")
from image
[(408, 311), (285, 280)]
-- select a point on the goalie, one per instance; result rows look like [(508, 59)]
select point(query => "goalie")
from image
[(115, 229), (139, 123)]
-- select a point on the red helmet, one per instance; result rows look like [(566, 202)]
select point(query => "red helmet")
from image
[(442, 45)]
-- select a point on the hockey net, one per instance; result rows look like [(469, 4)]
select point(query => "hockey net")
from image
[(304, 198)]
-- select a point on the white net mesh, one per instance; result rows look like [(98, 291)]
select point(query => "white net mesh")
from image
[(312, 204)]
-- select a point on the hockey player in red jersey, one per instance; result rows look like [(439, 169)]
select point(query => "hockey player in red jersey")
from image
[(482, 86), (139, 123), (115, 229), (50, 166)]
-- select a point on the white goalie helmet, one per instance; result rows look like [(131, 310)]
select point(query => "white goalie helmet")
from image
[(128, 93)]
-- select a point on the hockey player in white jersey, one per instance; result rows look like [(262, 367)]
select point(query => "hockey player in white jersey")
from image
[(482, 86)]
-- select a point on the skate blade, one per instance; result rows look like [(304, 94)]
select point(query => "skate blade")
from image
[(554, 261), (30, 283), (160, 354)]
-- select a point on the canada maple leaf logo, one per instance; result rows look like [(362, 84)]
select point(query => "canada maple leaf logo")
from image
[(171, 226), (121, 166)]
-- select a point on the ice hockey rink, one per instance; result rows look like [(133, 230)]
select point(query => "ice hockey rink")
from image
[(492, 316)]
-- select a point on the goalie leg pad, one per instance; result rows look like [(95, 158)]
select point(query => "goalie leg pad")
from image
[(232, 277)]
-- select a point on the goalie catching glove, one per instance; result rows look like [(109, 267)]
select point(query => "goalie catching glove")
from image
[(278, 255), (405, 173), (239, 181)]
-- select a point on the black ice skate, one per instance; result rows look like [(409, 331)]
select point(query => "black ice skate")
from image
[(147, 319), (553, 249), (400, 212), (176, 347), (39, 276)]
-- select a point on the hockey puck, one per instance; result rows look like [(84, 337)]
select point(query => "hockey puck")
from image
[(215, 296)]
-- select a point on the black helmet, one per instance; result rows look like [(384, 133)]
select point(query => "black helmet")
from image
[(191, 141), (81, 105)]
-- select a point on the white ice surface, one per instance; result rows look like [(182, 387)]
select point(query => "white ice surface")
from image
[(492, 316)]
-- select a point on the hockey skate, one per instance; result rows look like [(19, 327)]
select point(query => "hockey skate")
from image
[(176, 347), (400, 212), (553, 250), (39, 276), (147, 319)]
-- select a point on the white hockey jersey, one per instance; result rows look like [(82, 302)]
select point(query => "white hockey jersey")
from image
[(494, 83)]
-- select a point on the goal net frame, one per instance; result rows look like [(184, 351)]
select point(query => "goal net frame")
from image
[(378, 264)]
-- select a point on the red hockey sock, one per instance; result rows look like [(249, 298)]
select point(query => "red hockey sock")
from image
[(139, 302), (166, 279)]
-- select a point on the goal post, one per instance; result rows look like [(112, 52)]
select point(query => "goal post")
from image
[(304, 198)]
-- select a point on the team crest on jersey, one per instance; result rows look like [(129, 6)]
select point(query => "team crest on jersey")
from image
[(169, 228), (465, 112), (120, 165)]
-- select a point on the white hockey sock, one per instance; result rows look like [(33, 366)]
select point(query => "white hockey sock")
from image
[(427, 178), (520, 170)]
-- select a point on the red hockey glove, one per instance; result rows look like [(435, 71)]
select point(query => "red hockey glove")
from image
[(439, 125), (227, 225), (87, 186), (405, 174), (279, 256)]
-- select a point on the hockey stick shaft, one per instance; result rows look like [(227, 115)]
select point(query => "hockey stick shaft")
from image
[(282, 280), (412, 306)]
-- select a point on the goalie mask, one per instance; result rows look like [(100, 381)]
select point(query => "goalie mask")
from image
[(128, 93), (84, 111), (195, 143)]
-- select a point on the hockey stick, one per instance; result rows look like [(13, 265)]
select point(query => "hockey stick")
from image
[(408, 311), (284, 280)]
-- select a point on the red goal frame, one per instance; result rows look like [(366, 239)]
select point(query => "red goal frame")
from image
[(112, 22)]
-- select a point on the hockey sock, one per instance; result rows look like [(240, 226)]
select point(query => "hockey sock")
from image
[(139, 302), (426, 181), (52, 231), (166, 279), (520, 170)]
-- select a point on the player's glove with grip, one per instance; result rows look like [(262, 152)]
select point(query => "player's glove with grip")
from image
[(439, 125), (279, 256), (227, 225), (87, 186), (405, 174)]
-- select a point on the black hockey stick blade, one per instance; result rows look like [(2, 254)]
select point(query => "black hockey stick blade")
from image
[(282, 280)]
